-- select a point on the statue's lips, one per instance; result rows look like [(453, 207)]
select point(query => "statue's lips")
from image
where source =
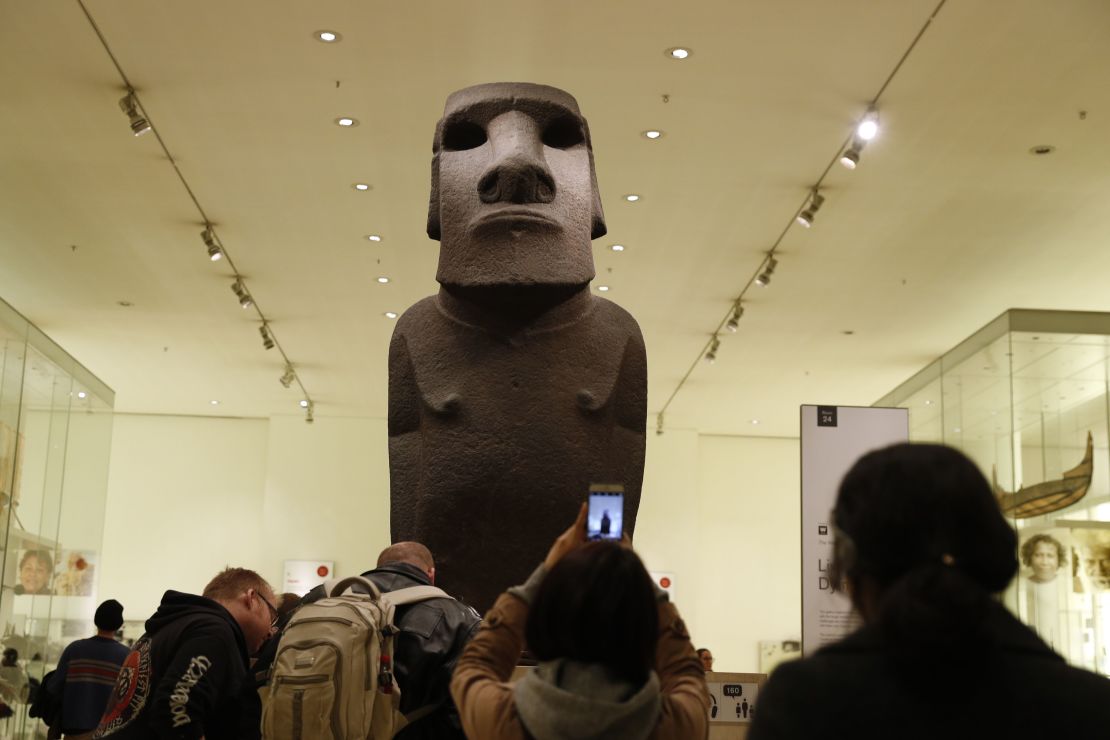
[(515, 217)]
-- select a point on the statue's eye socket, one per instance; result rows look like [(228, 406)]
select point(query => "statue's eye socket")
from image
[(563, 133), (462, 135)]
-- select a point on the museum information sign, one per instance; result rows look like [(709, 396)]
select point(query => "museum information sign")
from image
[(833, 438)]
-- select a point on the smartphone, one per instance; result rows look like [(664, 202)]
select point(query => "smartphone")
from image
[(605, 515)]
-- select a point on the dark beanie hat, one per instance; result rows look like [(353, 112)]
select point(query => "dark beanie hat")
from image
[(109, 615)]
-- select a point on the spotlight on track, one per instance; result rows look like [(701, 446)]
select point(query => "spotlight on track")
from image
[(868, 127), (764, 278), (850, 157), (267, 338), (711, 353), (734, 321), (241, 293), (209, 237), (287, 377), (129, 104), (806, 217)]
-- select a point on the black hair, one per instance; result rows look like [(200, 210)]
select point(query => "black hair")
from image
[(1030, 545), (597, 605), (920, 523)]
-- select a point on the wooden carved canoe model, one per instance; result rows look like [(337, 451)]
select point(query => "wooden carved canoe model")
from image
[(1052, 495)]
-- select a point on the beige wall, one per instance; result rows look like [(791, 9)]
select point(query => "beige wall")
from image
[(184, 499), (188, 495)]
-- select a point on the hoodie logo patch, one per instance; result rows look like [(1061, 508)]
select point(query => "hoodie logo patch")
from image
[(131, 691), (179, 699)]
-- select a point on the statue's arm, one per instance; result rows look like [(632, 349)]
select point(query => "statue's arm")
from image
[(630, 399), (404, 439)]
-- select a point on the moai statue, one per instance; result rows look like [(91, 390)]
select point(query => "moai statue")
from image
[(513, 388)]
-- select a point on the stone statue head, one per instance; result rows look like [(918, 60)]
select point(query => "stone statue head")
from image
[(514, 197)]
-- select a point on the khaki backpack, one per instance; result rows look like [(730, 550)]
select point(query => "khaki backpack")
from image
[(332, 675)]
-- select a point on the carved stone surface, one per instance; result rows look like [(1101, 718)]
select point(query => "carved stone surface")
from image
[(514, 388)]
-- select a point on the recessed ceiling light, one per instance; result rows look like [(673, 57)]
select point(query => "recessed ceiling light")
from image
[(1042, 150), (214, 403), (755, 422), (928, 403), (304, 403), (653, 134), (346, 122), (603, 288), (328, 37), (617, 247), (390, 315), (383, 279), (373, 237), (632, 197), (361, 186), (956, 430), (679, 52), (82, 394)]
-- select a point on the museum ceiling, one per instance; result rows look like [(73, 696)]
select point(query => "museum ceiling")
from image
[(948, 220)]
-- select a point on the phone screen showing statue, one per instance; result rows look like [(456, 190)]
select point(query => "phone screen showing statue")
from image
[(606, 514)]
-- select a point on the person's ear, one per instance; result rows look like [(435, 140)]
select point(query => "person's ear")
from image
[(432, 575)]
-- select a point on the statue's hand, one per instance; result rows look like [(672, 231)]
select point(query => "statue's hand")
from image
[(568, 540)]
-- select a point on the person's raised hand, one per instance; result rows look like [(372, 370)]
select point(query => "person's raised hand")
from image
[(568, 540)]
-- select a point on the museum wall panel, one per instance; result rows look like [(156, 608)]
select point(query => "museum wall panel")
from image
[(748, 587), (185, 498), (327, 494)]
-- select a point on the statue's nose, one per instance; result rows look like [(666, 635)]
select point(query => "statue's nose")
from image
[(518, 172)]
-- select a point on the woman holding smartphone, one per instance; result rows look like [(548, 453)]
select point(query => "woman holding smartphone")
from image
[(615, 660)]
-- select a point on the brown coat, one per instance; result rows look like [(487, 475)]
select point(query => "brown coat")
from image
[(485, 698)]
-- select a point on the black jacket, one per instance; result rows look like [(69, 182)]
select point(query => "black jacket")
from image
[(186, 677), (851, 689), (433, 634)]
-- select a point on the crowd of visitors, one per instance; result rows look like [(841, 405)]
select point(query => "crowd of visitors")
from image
[(589, 647)]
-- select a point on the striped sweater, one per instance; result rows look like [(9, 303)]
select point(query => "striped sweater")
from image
[(84, 679)]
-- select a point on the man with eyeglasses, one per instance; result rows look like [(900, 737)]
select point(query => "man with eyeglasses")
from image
[(189, 675)]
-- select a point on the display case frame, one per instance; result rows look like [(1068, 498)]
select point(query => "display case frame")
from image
[(1027, 397), (55, 436)]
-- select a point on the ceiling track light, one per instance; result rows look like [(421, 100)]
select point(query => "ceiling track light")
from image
[(287, 377), (241, 293), (309, 412), (868, 127), (129, 104), (267, 337), (806, 217), (209, 237), (764, 278), (711, 353), (734, 321), (659, 423), (850, 157)]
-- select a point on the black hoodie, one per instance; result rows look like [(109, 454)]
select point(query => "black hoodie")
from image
[(187, 677)]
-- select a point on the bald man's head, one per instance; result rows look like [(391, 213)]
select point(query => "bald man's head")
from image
[(412, 553)]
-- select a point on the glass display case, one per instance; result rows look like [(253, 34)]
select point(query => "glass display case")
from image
[(1026, 397), (55, 431)]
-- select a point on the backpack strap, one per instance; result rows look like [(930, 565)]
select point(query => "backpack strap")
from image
[(413, 594), (336, 587)]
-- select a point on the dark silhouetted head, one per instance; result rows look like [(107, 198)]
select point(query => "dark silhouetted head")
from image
[(597, 605)]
